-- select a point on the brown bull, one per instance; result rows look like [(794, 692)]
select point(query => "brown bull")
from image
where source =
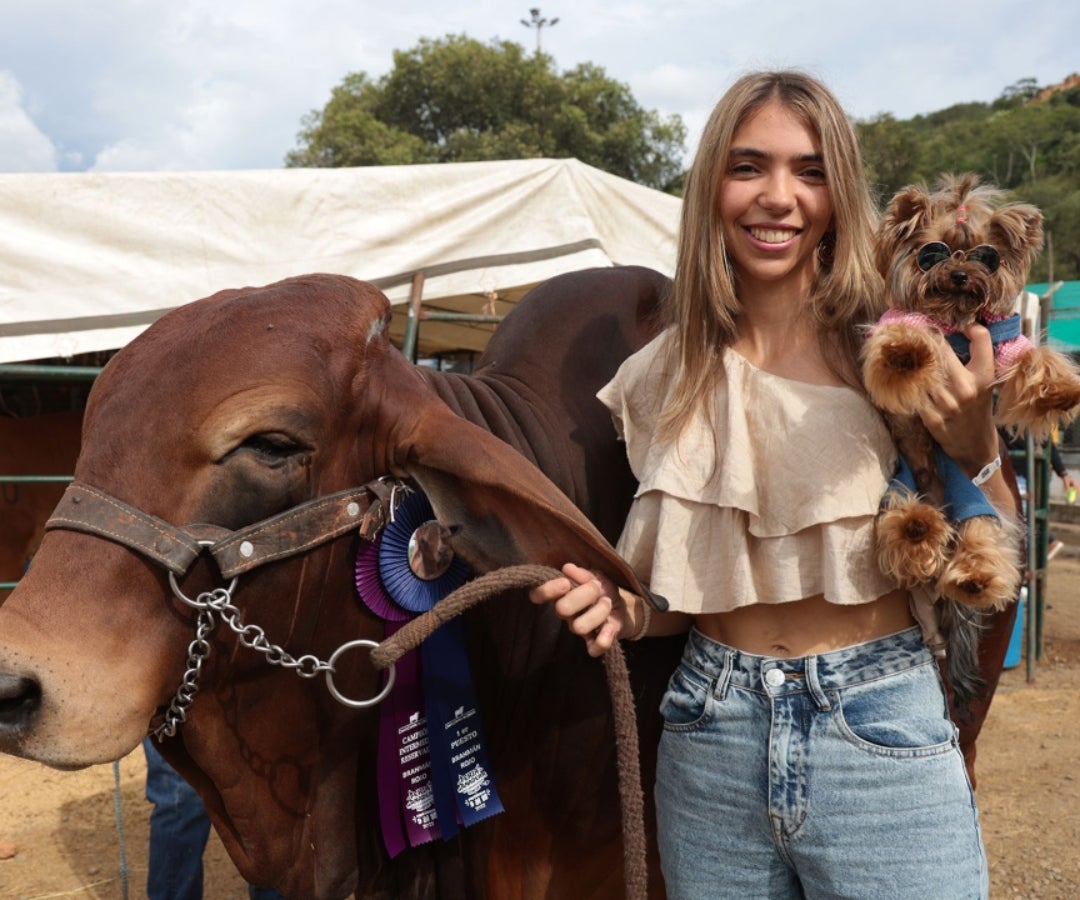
[(241, 406), (244, 405)]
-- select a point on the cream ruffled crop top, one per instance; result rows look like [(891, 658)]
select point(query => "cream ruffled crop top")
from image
[(777, 507)]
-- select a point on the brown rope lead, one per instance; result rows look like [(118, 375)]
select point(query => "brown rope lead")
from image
[(631, 797)]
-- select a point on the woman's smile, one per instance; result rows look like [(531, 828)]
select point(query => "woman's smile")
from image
[(772, 237)]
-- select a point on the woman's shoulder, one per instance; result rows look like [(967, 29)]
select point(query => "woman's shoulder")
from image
[(656, 357), (643, 379)]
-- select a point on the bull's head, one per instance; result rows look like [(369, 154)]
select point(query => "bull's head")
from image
[(228, 411)]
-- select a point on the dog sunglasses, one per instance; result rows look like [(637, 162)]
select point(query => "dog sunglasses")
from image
[(934, 252)]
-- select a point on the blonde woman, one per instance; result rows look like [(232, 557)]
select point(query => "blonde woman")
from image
[(807, 748)]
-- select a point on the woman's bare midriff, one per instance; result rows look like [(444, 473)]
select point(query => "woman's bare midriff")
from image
[(808, 626)]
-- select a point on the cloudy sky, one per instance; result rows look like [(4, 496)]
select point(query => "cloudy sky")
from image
[(140, 85)]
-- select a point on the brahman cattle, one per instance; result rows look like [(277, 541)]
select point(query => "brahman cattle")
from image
[(242, 406), (234, 412)]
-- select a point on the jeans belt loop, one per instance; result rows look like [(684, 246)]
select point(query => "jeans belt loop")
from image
[(821, 699), (723, 680)]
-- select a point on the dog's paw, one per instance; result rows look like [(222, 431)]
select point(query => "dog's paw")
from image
[(901, 366), (912, 539), (983, 569), (1040, 392)]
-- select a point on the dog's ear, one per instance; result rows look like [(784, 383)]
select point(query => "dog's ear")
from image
[(906, 213), (1017, 229)]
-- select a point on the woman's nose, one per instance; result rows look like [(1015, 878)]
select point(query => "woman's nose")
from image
[(777, 193)]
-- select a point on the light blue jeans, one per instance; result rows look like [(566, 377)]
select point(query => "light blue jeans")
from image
[(836, 775)]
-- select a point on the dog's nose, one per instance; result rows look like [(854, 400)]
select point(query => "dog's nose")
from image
[(959, 278)]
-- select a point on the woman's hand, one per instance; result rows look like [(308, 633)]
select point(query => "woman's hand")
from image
[(960, 417), (589, 602)]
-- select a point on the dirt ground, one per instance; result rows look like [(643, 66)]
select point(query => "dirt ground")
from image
[(59, 835)]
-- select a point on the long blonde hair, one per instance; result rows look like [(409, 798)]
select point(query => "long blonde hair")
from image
[(702, 304)]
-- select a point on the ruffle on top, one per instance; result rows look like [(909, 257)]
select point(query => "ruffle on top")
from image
[(777, 506)]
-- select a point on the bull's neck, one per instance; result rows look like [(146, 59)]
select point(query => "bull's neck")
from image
[(497, 408)]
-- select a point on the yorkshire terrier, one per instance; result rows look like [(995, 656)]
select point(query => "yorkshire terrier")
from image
[(952, 257)]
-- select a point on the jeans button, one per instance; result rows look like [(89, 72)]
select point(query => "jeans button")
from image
[(774, 678)]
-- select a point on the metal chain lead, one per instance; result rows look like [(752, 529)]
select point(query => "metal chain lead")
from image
[(252, 636), (219, 601), (198, 651)]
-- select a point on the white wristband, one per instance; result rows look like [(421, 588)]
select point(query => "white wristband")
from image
[(987, 471)]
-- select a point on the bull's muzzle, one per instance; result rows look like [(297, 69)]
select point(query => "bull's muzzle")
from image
[(20, 699)]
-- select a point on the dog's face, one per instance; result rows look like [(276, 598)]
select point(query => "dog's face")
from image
[(956, 254)]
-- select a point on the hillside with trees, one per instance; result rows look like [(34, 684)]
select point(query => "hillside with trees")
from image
[(1027, 141)]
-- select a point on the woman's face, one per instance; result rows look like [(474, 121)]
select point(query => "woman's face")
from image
[(774, 203)]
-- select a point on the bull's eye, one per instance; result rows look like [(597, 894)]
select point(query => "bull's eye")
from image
[(271, 449)]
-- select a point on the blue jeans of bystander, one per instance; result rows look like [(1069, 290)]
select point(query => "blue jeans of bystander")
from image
[(179, 829)]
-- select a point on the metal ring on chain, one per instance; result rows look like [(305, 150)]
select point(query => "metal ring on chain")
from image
[(348, 701), (196, 603)]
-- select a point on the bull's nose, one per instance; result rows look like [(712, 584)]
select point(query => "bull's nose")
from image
[(20, 698)]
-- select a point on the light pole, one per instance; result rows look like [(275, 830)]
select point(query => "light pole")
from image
[(538, 23)]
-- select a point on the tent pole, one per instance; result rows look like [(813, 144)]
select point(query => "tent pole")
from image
[(412, 327)]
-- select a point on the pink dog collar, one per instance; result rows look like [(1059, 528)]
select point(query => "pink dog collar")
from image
[(1009, 343)]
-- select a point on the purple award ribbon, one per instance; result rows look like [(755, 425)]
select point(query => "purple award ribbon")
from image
[(407, 812), (416, 794), (388, 773)]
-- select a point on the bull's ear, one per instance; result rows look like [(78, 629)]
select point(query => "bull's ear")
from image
[(503, 509)]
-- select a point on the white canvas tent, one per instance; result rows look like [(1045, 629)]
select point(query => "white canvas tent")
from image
[(89, 260)]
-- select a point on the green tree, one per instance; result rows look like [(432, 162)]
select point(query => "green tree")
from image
[(891, 154), (1059, 199), (1018, 93), (457, 100)]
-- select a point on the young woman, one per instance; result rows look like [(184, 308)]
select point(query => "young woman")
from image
[(807, 749)]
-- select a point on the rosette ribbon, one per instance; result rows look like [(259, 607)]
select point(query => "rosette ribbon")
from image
[(433, 770)]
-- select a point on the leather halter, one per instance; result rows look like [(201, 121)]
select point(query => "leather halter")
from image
[(90, 510), (366, 509)]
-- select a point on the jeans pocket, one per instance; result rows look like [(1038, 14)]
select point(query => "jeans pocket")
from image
[(901, 715), (686, 701)]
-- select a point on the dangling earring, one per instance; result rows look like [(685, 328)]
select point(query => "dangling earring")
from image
[(826, 249)]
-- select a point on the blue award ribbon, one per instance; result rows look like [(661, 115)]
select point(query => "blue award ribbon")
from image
[(459, 758)]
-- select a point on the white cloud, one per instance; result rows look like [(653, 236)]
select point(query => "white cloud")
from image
[(222, 125), (23, 146), (146, 84)]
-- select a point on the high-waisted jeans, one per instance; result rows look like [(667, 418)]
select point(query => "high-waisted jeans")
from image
[(835, 775)]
